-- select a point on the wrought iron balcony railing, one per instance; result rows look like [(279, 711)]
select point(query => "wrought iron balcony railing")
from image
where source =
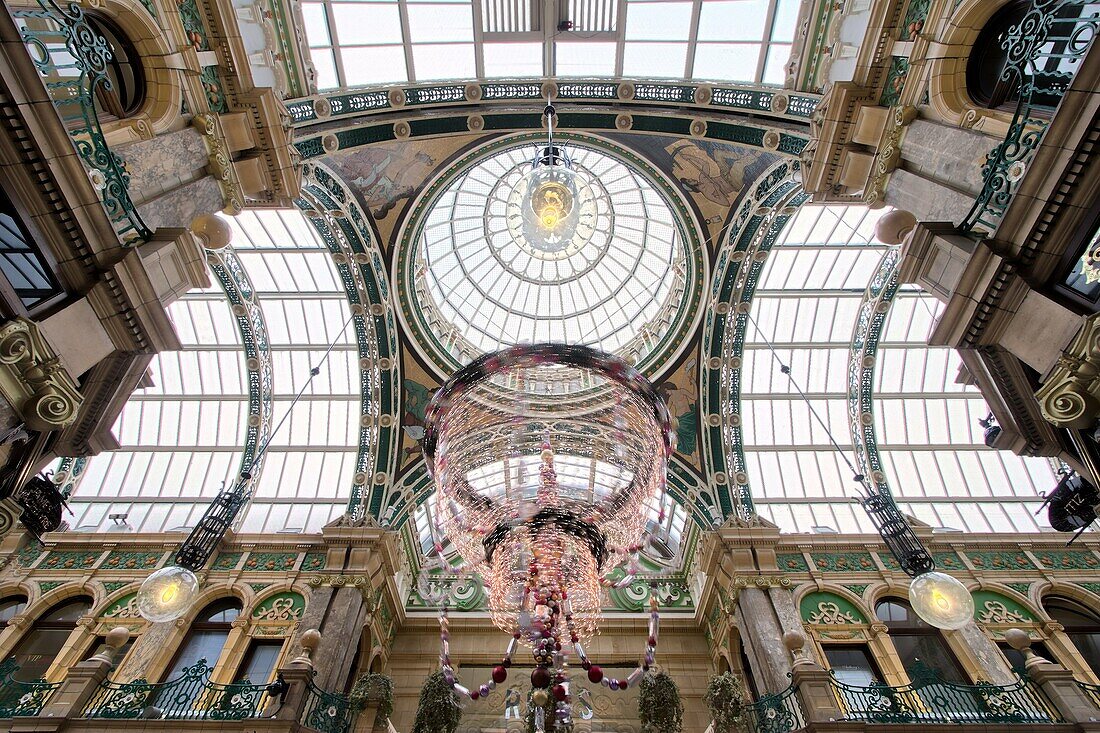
[(327, 712), (1044, 52), (778, 713), (22, 698), (190, 696), (1091, 690), (72, 58), (931, 699)]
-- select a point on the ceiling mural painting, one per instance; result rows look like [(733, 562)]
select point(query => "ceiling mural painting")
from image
[(387, 176), (712, 174)]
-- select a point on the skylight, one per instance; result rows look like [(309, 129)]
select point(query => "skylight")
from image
[(357, 43), (931, 445)]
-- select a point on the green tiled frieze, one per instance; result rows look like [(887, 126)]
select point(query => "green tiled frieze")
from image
[(795, 562), (132, 560), (889, 561), (29, 554), (259, 587), (1090, 587), (843, 562), (1068, 560), (948, 561), (270, 561), (227, 560), (1000, 561), (69, 561), (113, 585), (48, 585), (1024, 588), (859, 590), (314, 561)]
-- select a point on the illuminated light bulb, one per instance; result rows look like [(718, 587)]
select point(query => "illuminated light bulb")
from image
[(941, 600), (549, 210), (167, 594)]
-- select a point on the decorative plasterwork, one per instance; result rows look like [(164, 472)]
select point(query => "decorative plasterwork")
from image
[(353, 242), (221, 162), (349, 134), (1070, 396), (759, 221), (745, 99), (862, 356), (33, 380), (889, 154)]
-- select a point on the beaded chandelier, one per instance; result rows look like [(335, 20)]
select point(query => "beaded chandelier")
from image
[(547, 461)]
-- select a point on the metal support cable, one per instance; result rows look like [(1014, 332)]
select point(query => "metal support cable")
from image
[(223, 510)]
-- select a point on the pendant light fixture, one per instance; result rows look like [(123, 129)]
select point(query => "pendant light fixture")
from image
[(168, 593)]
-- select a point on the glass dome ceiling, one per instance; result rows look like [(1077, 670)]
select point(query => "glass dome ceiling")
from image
[(620, 285), (359, 43)]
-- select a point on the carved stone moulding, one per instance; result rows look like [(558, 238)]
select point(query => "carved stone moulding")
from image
[(1070, 396), (33, 380)]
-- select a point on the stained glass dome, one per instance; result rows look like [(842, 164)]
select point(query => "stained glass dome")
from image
[(621, 281)]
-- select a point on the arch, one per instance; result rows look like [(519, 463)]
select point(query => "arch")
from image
[(163, 86), (915, 641), (49, 642), (755, 227), (1001, 606), (208, 631), (834, 607), (11, 605), (948, 96), (282, 607), (1076, 630), (352, 238)]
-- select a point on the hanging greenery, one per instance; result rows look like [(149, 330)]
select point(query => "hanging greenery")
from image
[(376, 688), (726, 699), (659, 706), (438, 710)]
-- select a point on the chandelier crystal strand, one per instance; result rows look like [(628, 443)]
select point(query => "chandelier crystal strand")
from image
[(547, 460)]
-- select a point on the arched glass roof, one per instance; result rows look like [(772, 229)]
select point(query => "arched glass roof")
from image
[(366, 42), (183, 437), (931, 446)]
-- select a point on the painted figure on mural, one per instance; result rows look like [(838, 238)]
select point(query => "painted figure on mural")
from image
[(417, 397), (681, 395)]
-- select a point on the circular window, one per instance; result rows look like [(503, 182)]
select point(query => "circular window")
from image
[(617, 266), (124, 92)]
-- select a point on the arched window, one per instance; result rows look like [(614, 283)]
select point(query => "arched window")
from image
[(206, 637), (989, 55), (1082, 627), (126, 92), (47, 637), (917, 642), (11, 607)]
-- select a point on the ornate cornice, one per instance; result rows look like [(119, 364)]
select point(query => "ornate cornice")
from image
[(34, 381), (704, 99)]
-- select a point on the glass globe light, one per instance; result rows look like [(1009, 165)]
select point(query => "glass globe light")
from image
[(941, 600), (167, 594), (550, 208)]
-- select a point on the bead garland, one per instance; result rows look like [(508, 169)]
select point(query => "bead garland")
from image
[(551, 673)]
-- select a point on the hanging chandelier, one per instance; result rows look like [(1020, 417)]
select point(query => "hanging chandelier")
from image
[(547, 461)]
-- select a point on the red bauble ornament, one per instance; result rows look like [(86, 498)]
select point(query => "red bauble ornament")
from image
[(559, 692), (474, 694), (499, 674), (540, 677), (595, 674)]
